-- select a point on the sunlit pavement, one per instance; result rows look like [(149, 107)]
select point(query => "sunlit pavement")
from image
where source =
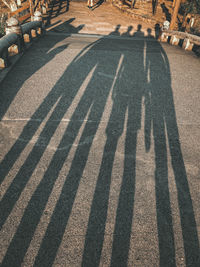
[(99, 152), (101, 19)]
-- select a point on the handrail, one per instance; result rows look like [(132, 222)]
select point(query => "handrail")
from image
[(176, 37), (32, 29), (5, 42), (30, 6)]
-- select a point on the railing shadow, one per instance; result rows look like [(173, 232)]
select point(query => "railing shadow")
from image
[(55, 9)]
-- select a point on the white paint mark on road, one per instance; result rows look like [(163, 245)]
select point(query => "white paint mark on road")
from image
[(106, 75)]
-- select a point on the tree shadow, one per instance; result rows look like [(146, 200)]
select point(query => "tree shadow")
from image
[(166, 11), (56, 8), (154, 6), (97, 4)]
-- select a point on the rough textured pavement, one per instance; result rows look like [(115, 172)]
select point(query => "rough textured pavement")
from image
[(99, 154)]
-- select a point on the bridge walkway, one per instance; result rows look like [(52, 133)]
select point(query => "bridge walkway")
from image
[(99, 150)]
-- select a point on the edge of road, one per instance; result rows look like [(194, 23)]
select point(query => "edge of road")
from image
[(13, 60)]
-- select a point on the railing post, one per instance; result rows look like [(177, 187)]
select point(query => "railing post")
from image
[(13, 26), (187, 44), (38, 17), (31, 7)]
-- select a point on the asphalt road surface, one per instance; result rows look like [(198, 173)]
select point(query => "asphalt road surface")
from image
[(99, 153)]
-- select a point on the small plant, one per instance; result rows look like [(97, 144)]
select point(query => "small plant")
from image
[(190, 6)]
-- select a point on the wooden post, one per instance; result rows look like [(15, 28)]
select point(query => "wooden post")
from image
[(175, 13), (31, 7)]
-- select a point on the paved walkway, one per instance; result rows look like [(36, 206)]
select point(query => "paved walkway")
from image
[(101, 20), (99, 151)]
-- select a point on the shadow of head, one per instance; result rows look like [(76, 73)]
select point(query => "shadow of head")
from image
[(129, 29), (116, 31)]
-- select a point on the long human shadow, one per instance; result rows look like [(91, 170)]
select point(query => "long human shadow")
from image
[(64, 97), (8, 92), (127, 99), (153, 83), (164, 127), (92, 105)]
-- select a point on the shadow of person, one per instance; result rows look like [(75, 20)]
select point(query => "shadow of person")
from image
[(127, 98), (164, 128), (93, 62), (18, 77), (128, 32), (139, 33), (116, 31), (67, 27)]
